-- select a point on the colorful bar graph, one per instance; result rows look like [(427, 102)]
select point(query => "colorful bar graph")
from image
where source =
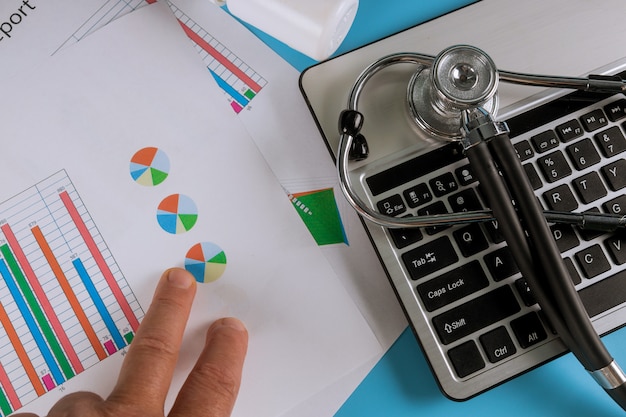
[(240, 82), (55, 272)]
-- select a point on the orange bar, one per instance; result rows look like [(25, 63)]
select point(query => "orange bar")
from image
[(21, 352), (71, 297)]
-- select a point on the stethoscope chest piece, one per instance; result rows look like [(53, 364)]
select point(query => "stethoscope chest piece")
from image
[(460, 78)]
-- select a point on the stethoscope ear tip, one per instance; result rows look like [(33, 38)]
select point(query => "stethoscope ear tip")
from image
[(350, 122), (359, 150)]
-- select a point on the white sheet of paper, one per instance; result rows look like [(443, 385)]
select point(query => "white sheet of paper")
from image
[(282, 127), (33, 30), (134, 84), (280, 124)]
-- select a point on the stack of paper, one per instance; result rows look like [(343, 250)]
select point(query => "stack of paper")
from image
[(80, 130)]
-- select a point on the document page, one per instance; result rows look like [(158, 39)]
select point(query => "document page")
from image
[(118, 162)]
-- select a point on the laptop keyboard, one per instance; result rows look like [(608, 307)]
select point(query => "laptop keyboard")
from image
[(471, 297)]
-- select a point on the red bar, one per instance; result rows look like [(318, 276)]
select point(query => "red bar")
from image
[(8, 389), (100, 261), (221, 58)]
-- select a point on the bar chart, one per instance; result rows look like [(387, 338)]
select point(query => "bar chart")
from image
[(64, 303), (240, 82)]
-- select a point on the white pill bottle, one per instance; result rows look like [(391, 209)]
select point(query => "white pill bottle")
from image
[(314, 27)]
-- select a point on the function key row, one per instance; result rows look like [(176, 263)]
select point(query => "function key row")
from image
[(573, 129)]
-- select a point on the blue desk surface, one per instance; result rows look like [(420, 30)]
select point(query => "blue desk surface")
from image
[(401, 384)]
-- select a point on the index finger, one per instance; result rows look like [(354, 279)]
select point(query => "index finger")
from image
[(148, 367)]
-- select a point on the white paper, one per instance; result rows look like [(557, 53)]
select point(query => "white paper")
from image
[(33, 30), (282, 127), (136, 83)]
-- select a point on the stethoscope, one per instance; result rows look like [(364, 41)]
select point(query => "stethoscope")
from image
[(452, 97)]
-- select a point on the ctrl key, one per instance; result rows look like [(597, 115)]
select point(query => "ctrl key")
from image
[(466, 359)]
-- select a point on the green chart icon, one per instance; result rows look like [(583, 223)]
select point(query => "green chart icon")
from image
[(318, 209)]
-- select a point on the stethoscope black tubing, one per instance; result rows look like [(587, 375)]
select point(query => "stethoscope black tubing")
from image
[(566, 310), (496, 193), (544, 249)]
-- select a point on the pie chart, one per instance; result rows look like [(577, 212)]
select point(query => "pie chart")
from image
[(177, 214), (206, 261), (149, 166)]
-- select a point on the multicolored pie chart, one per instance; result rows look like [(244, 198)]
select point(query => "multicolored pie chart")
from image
[(206, 261), (149, 166), (177, 214)]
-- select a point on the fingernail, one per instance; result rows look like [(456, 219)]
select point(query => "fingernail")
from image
[(229, 322), (180, 278)]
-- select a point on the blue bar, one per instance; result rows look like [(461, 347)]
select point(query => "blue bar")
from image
[(235, 95), (30, 322), (97, 300)]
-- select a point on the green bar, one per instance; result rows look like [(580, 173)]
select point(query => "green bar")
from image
[(129, 337), (37, 312), (249, 94), (4, 404)]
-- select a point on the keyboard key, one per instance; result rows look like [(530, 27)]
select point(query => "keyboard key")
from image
[(616, 110), (493, 229), (611, 141), (533, 177), (476, 314), (560, 198), (524, 150), (452, 286), (391, 206), (583, 154), (501, 264), (545, 141), (616, 246), (405, 237), (589, 187), (573, 273), (605, 294), (528, 330), (554, 166), (465, 175), (569, 130), (465, 200), (444, 184), (466, 359), (497, 344), (438, 207), (470, 239), (528, 298), (615, 174), (616, 205), (592, 261), (417, 195), (430, 257), (594, 120), (564, 237)]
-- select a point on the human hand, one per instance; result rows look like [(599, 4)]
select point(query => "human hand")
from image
[(144, 380)]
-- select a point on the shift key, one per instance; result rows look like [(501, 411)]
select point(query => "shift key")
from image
[(476, 314)]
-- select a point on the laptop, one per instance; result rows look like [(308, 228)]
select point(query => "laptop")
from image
[(470, 309)]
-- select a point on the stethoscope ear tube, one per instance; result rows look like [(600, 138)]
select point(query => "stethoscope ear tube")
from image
[(564, 307)]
